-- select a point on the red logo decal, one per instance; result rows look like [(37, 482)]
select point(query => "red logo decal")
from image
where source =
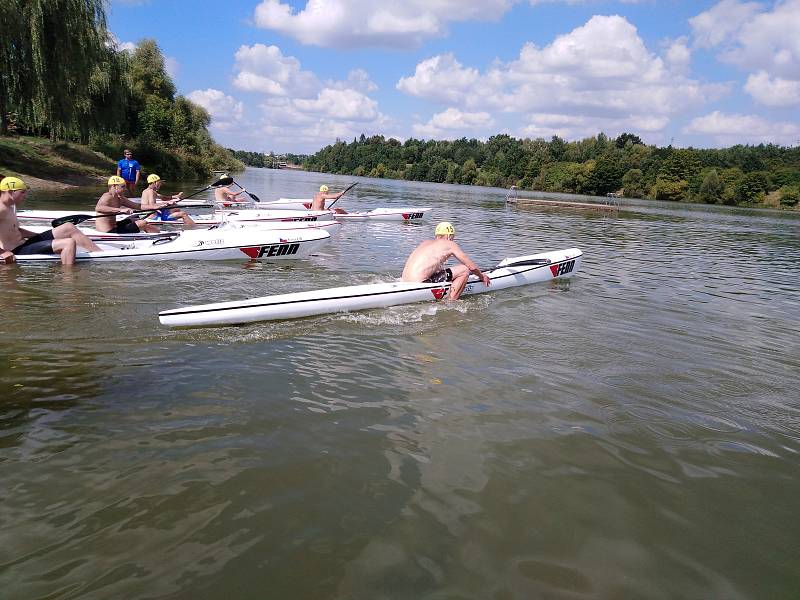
[(405, 216), (251, 252), (554, 270), (283, 241), (307, 204), (438, 293)]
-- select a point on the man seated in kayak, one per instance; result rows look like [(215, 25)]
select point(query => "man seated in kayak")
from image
[(426, 262), (224, 195), (163, 205), (318, 203), (114, 201), (63, 240)]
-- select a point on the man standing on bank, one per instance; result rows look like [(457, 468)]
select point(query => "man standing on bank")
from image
[(62, 240), (129, 169), (426, 262)]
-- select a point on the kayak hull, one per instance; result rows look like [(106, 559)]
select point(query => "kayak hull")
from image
[(513, 272), (224, 243), (413, 213)]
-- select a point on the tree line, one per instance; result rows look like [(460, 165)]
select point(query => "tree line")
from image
[(62, 76), (599, 165)]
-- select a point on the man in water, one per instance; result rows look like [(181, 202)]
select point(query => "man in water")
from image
[(129, 169), (63, 240), (115, 202), (163, 205), (426, 262), (318, 203)]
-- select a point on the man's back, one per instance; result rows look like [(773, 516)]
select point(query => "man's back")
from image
[(428, 258)]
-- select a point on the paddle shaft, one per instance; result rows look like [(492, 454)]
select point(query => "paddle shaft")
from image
[(342, 194), (253, 196)]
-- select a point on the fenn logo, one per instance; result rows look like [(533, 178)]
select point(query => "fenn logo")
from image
[(410, 216), (271, 250), (562, 268)]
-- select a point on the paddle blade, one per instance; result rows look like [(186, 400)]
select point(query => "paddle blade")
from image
[(74, 219), (254, 197), (222, 181)]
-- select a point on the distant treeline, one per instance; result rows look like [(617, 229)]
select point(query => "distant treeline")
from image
[(597, 166), (266, 161), (63, 77)]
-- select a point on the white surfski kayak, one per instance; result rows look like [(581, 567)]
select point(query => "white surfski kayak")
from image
[(511, 272), (413, 213), (221, 243)]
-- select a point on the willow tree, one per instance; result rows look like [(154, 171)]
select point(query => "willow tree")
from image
[(50, 49)]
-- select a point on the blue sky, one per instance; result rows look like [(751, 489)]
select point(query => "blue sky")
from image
[(293, 76)]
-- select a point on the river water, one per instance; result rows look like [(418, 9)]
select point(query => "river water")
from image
[(631, 433)]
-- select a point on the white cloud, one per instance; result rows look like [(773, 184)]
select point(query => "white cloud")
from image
[(722, 21), (601, 71), (759, 39), (172, 66), (225, 111), (453, 123), (440, 78), (348, 105), (373, 23), (298, 110), (265, 69), (728, 129), (773, 91)]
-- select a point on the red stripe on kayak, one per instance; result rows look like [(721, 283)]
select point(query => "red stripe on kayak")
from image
[(251, 252), (554, 269), (438, 293)]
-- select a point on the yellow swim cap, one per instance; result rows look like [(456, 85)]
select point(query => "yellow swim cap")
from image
[(116, 180), (11, 184), (153, 178), (445, 228), (323, 188)]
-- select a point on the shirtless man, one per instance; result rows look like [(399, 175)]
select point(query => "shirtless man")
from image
[(63, 240), (318, 203), (114, 201), (163, 204), (426, 262), (224, 195)]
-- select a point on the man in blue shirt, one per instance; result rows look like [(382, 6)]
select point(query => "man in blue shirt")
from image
[(129, 170)]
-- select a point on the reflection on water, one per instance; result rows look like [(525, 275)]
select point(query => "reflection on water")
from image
[(628, 433)]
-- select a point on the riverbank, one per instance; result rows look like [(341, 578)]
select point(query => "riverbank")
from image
[(53, 165)]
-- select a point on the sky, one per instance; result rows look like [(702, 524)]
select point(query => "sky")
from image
[(295, 76)]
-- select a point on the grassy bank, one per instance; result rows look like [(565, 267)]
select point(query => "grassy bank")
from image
[(53, 165)]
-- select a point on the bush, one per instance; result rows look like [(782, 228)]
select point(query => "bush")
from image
[(789, 195)]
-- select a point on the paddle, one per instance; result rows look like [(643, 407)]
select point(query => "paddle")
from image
[(76, 219), (342, 194), (253, 196)]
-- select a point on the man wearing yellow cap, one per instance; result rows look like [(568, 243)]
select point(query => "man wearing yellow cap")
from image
[(114, 202), (426, 262), (162, 205), (63, 240), (318, 203)]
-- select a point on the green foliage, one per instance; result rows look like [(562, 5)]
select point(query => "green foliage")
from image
[(595, 165), (711, 189), (752, 187), (633, 184), (789, 195), (670, 190), (61, 76)]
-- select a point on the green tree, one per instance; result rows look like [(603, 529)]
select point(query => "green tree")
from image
[(711, 189), (49, 50), (751, 187), (789, 195), (633, 184)]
